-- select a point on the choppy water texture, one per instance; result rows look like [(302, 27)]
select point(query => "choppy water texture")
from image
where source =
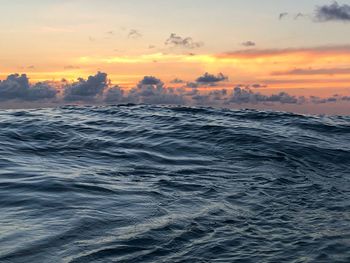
[(173, 184)]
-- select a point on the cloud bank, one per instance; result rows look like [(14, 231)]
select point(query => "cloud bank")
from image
[(97, 89), (246, 95), (17, 86)]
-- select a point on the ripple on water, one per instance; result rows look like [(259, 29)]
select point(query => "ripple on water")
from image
[(136, 183)]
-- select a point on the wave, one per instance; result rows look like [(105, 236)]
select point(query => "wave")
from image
[(138, 183)]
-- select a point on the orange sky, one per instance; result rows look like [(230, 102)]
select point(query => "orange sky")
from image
[(322, 68), (250, 43)]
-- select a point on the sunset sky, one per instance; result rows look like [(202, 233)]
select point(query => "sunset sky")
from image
[(301, 47)]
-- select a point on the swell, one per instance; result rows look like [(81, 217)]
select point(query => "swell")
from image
[(138, 183)]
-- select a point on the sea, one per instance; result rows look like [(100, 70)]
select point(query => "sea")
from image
[(145, 183)]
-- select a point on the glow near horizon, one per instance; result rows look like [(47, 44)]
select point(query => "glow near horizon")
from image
[(69, 39)]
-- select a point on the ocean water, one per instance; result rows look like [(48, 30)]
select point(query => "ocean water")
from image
[(173, 184)]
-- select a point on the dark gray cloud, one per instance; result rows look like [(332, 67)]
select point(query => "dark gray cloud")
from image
[(211, 79), (249, 44), (333, 12), (17, 87), (178, 41), (86, 90)]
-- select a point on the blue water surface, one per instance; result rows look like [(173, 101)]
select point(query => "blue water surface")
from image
[(173, 184)]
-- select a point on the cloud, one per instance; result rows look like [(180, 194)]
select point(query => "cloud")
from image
[(247, 96), (299, 15), (283, 15), (214, 98), (244, 95), (258, 86), (114, 95), (218, 95), (41, 91), (333, 12), (150, 80), (261, 53), (318, 100), (151, 90), (178, 41), (249, 44), (134, 34), (296, 16), (17, 87), (211, 79), (333, 99), (192, 85), (69, 67), (310, 71), (86, 90), (252, 86), (177, 81)]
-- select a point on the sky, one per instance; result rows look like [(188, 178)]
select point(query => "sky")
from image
[(263, 47)]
